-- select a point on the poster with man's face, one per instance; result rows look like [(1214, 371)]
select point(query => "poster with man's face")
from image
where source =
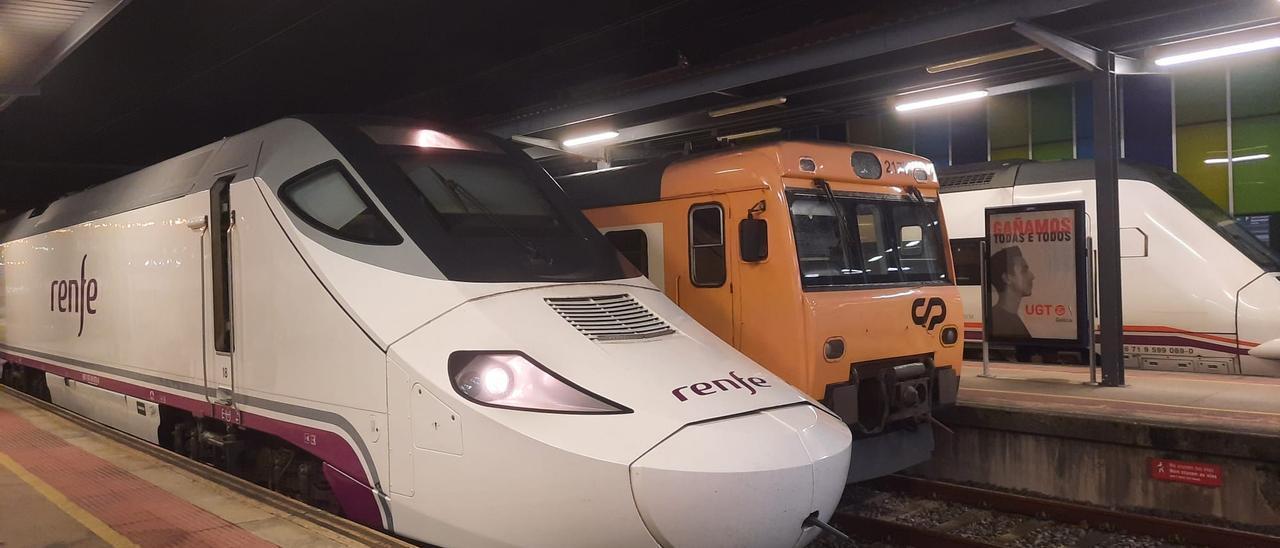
[(1032, 272)]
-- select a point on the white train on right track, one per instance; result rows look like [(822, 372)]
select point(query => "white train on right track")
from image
[(1200, 292)]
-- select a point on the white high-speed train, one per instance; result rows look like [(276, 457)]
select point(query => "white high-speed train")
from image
[(1200, 293), (412, 326)]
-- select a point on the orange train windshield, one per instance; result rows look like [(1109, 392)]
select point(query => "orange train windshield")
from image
[(868, 240)]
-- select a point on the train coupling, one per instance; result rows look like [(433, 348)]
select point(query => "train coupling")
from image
[(814, 521), (904, 391)]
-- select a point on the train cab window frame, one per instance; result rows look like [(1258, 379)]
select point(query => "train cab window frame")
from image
[(966, 255), (707, 248), (875, 228), (380, 229), (633, 244)]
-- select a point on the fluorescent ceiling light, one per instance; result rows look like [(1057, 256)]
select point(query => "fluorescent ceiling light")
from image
[(1219, 52), (746, 134), (754, 105), (939, 101), (1238, 159), (593, 138)]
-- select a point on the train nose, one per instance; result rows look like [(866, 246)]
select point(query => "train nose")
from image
[(746, 481)]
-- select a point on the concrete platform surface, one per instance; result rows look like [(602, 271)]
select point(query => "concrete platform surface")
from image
[(62, 484), (1191, 400)]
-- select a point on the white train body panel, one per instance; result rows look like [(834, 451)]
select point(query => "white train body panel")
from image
[(134, 416), (345, 351), (1192, 301), (147, 314)]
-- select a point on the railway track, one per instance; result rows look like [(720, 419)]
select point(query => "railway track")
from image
[(905, 511)]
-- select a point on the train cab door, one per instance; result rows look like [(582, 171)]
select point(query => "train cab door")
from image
[(220, 334), (706, 287)]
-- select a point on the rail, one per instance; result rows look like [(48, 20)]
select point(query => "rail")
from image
[(1036, 515)]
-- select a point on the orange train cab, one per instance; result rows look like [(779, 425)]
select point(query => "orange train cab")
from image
[(827, 263)]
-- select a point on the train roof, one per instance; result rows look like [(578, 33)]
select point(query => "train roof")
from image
[(189, 173), (156, 183), (643, 183), (1008, 173), (633, 184)]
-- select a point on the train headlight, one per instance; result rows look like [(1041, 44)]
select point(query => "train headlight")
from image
[(950, 335), (512, 380)]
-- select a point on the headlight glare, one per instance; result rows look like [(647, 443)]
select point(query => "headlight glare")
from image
[(512, 380)]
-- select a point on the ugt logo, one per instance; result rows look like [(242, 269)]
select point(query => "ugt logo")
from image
[(74, 296), (922, 313)]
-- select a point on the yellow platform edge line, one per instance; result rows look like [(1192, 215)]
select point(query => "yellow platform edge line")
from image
[(95, 525)]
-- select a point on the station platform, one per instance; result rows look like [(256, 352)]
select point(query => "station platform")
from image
[(1184, 445), (67, 482), (1190, 400)]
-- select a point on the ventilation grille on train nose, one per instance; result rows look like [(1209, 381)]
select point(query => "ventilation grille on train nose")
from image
[(967, 179), (610, 317)]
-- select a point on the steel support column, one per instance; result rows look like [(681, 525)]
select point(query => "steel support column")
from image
[(1106, 128)]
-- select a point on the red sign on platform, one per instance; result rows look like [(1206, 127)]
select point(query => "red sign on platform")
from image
[(1195, 473)]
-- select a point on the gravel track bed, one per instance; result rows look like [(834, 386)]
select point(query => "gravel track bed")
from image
[(1000, 528), (990, 527)]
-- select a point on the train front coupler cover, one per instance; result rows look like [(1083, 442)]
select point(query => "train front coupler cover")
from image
[(889, 406)]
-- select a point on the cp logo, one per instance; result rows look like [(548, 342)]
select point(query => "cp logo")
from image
[(924, 315)]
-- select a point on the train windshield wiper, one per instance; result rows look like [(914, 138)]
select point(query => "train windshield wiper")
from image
[(846, 236), (463, 196)]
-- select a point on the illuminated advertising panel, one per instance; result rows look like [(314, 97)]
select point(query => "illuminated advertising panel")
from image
[(1036, 275)]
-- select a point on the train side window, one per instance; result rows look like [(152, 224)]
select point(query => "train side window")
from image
[(634, 245), (967, 255), (706, 245), (327, 199)]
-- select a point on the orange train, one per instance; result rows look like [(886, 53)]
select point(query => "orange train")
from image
[(826, 263)]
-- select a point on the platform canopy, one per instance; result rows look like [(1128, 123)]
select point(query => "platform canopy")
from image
[(35, 35), (163, 77)]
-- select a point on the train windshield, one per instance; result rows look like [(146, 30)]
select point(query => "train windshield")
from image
[(481, 210), (1230, 229), (866, 239)]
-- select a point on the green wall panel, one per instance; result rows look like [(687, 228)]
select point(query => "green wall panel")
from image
[(1255, 130), (1200, 110), (1007, 126), (1196, 143), (1051, 122)]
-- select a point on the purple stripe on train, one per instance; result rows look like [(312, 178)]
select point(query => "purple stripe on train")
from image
[(355, 496)]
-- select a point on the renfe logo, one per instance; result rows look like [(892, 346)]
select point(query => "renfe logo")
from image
[(722, 385), (74, 296), (922, 313)]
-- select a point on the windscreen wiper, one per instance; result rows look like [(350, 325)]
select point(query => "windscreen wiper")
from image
[(461, 193), (846, 236)]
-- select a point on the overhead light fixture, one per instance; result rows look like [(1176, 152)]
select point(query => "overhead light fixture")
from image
[(980, 59), (587, 139), (1223, 51), (754, 105), (1237, 159), (939, 101), (749, 134)]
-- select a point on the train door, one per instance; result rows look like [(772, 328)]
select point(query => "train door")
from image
[(705, 289), (220, 341)]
